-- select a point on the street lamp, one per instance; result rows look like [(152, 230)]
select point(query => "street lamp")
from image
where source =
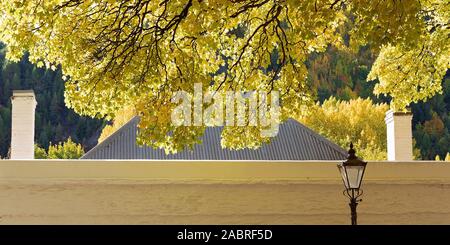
[(352, 172)]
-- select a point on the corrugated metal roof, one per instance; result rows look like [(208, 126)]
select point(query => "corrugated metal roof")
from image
[(293, 142)]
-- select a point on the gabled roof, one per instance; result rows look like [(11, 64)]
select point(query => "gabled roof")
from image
[(293, 142)]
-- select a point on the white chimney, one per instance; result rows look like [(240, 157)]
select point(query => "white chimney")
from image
[(22, 125), (399, 136)]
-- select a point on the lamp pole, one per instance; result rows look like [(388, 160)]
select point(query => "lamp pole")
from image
[(352, 172), (353, 204)]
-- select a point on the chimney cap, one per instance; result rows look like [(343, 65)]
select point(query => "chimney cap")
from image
[(398, 113), (23, 93)]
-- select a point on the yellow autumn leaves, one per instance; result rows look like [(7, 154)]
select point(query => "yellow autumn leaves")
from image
[(359, 121), (137, 53)]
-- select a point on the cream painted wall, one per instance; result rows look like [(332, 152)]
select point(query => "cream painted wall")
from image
[(205, 192)]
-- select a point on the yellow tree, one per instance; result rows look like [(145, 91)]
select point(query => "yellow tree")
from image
[(116, 53), (62, 150), (122, 117), (65, 150), (359, 121), (39, 152)]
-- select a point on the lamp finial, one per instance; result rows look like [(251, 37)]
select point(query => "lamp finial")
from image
[(351, 152)]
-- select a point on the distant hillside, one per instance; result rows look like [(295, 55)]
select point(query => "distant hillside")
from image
[(343, 75), (54, 121)]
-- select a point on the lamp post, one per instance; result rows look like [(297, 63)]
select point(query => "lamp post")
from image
[(352, 172)]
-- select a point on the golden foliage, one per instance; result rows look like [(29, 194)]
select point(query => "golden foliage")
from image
[(358, 121), (62, 150), (114, 53), (122, 117)]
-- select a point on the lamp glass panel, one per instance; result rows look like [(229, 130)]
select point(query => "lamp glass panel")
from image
[(354, 174), (344, 175)]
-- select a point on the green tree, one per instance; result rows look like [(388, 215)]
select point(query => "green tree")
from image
[(432, 137), (15, 83), (5, 134), (3, 139)]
